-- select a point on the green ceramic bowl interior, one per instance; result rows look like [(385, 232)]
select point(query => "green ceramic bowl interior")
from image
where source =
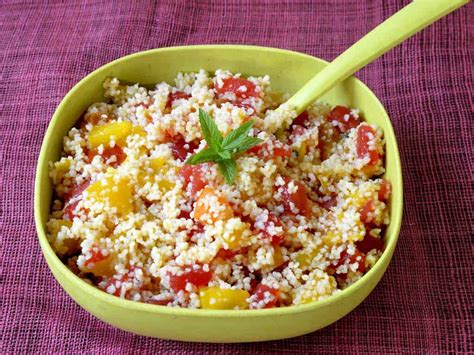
[(288, 72)]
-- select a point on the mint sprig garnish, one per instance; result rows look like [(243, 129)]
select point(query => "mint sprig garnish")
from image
[(223, 150)]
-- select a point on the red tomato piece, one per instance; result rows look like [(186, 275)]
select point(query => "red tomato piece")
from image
[(365, 134), (299, 198), (344, 118), (193, 175), (181, 148), (69, 210), (301, 120), (345, 258), (196, 276), (160, 302), (270, 150), (267, 294), (225, 254), (76, 191), (96, 255), (268, 229), (242, 88), (116, 281), (108, 153), (367, 212), (176, 96), (385, 190), (368, 243), (328, 202)]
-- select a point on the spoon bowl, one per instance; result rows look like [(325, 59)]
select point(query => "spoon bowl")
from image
[(288, 71)]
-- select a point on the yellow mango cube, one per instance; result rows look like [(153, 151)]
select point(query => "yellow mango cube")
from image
[(118, 131), (217, 298), (236, 234), (116, 194), (157, 163), (63, 165)]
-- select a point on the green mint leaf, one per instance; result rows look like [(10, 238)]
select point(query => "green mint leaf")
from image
[(204, 156), (234, 138), (210, 131), (224, 154), (228, 169), (247, 143)]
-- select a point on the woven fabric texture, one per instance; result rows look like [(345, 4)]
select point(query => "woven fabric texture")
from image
[(424, 302)]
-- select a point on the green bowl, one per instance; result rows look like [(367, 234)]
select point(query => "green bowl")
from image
[(288, 72)]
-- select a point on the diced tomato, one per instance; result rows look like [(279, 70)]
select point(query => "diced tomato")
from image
[(181, 148), (193, 175), (163, 302), (264, 292), (345, 258), (368, 243), (385, 190), (196, 276), (328, 201), (268, 229), (69, 210), (367, 211), (245, 105), (96, 256), (301, 120), (254, 281), (226, 254), (344, 118), (270, 150), (76, 190), (108, 153), (242, 88), (116, 281), (297, 131), (328, 136), (184, 214), (299, 198), (365, 134), (176, 96)]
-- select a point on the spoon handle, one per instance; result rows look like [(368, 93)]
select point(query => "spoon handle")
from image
[(403, 24)]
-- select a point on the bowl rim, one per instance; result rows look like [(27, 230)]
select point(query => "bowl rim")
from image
[(50, 255)]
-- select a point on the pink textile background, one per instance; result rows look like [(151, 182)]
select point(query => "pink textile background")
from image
[(424, 302)]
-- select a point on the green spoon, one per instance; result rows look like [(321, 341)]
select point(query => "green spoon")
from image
[(402, 25)]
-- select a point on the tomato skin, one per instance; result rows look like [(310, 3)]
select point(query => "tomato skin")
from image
[(76, 190), (69, 210), (198, 277), (301, 120), (369, 243), (275, 239), (363, 138), (234, 85), (366, 212), (385, 190), (349, 259), (272, 150), (299, 198), (337, 116), (176, 96), (259, 295), (329, 203), (108, 153), (180, 148), (96, 256), (72, 198), (193, 175)]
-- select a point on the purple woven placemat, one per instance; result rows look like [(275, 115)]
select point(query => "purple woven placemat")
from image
[(424, 302)]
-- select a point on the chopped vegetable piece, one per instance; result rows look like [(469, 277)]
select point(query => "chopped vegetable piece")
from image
[(344, 118), (194, 274), (264, 297), (242, 88), (295, 197), (211, 206), (365, 144), (105, 134), (217, 298)]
